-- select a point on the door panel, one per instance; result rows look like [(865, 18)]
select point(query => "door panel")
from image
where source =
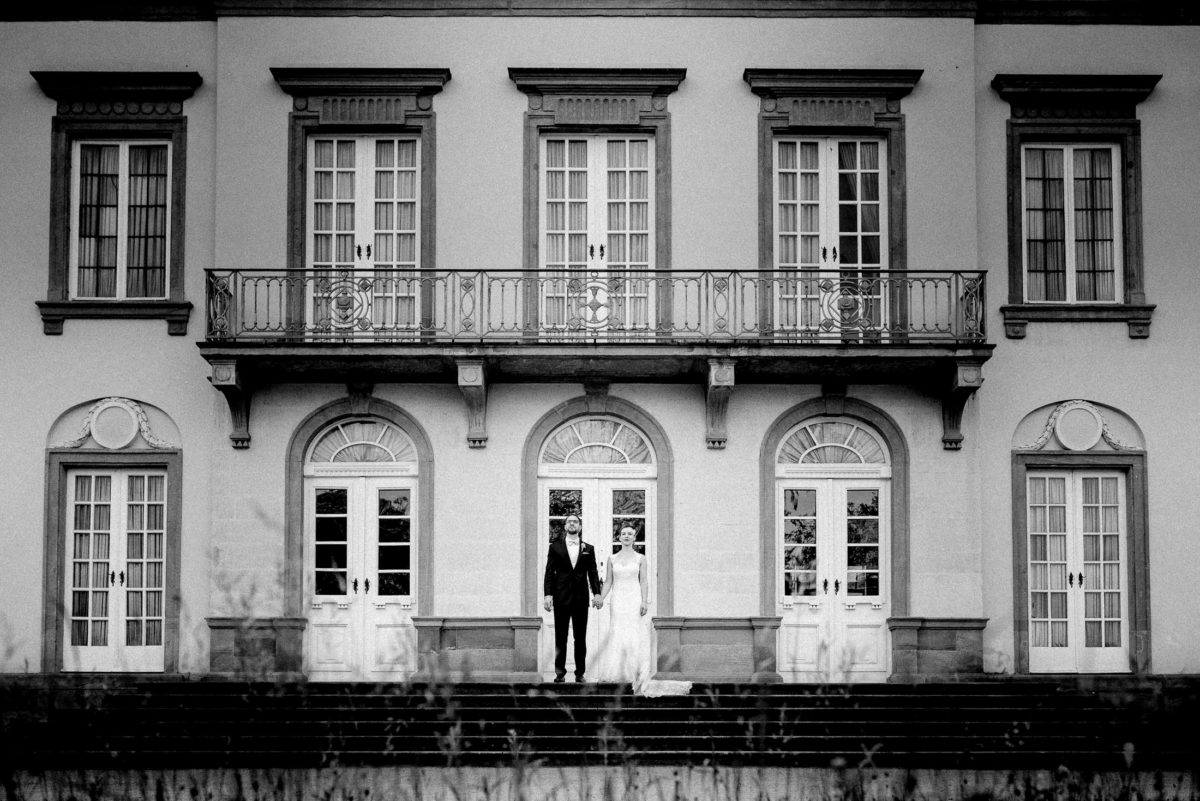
[(833, 537), (597, 237), (830, 199), (363, 238), (116, 568), (362, 578), (1077, 561)]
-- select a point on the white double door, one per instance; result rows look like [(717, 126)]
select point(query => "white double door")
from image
[(1077, 553), (830, 197), (597, 234), (361, 577), (833, 540), (363, 237), (605, 506), (116, 566)]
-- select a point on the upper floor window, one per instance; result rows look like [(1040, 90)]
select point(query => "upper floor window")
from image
[(597, 196), (120, 219), (831, 171), (1075, 209), (118, 161), (1072, 223), (361, 197)]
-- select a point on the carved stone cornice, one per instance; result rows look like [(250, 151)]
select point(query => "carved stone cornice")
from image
[(104, 93), (831, 96), (1054, 97), (361, 94), (586, 96)]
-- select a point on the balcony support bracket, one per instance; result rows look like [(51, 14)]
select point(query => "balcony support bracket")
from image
[(720, 387), (472, 381), (967, 378), (226, 378)]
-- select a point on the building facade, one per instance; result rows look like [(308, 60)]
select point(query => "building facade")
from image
[(325, 315)]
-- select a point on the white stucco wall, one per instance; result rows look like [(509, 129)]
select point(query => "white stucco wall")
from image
[(960, 502)]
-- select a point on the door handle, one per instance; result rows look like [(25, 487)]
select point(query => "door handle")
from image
[(825, 586), (366, 586), (1071, 579), (836, 584), (356, 586), (591, 251), (602, 251)]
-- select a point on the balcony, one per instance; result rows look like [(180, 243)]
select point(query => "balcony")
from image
[(474, 327)]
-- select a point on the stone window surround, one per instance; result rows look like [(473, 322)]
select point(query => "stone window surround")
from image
[(119, 106), (59, 461), (594, 100), (833, 102), (1077, 109), (344, 100), (1133, 465)]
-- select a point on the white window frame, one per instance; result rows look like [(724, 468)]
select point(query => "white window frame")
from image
[(1069, 229), (122, 219), (388, 288), (585, 287), (116, 654)]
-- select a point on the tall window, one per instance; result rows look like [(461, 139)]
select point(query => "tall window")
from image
[(120, 216), (364, 213), (1072, 226), (597, 232), (830, 196)]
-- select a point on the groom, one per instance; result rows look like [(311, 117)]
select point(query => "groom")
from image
[(570, 572)]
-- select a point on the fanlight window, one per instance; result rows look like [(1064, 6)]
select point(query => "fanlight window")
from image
[(831, 442), (363, 441), (596, 440)]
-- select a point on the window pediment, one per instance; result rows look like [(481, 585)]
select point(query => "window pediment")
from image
[(118, 93), (351, 95), (1074, 96), (585, 96), (812, 97)]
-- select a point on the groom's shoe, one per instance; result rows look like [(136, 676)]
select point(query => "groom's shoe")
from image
[(559, 678), (579, 678)]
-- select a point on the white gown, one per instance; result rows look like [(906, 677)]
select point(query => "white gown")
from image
[(624, 654)]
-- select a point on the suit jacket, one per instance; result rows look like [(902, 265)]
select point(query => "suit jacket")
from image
[(569, 585)]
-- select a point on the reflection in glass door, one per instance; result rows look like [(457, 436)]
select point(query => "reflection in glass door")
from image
[(361, 557), (833, 544)]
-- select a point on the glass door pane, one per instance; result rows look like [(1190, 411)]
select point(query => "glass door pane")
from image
[(862, 542), (396, 242), (566, 221)]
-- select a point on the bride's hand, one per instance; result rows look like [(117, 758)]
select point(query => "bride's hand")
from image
[(644, 608)]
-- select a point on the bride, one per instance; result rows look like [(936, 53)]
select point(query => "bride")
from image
[(624, 655)]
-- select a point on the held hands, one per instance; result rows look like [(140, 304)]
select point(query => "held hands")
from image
[(597, 601)]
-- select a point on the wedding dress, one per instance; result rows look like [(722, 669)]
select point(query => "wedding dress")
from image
[(624, 654)]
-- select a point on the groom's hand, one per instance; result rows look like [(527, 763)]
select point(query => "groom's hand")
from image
[(597, 601), (549, 603)]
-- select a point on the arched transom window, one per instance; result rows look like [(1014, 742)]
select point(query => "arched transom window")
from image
[(363, 440), (826, 441), (597, 441)]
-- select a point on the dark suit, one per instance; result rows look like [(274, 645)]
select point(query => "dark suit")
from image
[(569, 587)]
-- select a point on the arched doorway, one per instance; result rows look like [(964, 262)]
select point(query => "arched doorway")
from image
[(362, 566), (833, 544), (603, 469)]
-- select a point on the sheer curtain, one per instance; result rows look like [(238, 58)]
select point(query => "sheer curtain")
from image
[(146, 257), (97, 245)]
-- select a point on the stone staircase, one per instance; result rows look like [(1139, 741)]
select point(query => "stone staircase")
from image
[(1142, 724)]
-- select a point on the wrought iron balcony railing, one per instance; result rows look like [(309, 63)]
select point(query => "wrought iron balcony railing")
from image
[(878, 307)]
